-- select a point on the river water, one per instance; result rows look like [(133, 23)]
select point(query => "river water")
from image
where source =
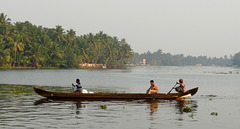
[(215, 106)]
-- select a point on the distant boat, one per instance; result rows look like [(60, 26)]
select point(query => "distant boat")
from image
[(59, 95)]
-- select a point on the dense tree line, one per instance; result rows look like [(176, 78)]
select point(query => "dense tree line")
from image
[(236, 59), (159, 58), (23, 44)]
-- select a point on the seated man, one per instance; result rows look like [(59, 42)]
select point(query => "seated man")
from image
[(182, 86), (78, 85), (153, 88)]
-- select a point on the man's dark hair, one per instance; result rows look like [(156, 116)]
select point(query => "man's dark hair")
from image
[(77, 80), (151, 81)]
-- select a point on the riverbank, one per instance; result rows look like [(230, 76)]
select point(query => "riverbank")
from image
[(89, 66), (8, 67)]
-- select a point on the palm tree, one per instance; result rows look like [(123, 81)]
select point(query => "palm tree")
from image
[(4, 53), (17, 45), (55, 55), (35, 55), (20, 40), (5, 27), (22, 30), (71, 35), (4, 21), (58, 34)]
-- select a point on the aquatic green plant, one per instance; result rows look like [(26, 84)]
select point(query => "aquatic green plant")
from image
[(103, 107), (186, 109), (211, 95), (214, 113), (6, 89)]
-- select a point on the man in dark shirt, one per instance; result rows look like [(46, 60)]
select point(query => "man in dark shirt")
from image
[(78, 85)]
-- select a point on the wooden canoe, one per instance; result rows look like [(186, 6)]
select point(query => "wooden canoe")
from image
[(59, 95)]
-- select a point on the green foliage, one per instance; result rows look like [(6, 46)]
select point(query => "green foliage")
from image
[(15, 90), (159, 58), (214, 114), (23, 44), (211, 95), (187, 109), (103, 107)]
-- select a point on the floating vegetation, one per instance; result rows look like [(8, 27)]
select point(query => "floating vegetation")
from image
[(211, 95), (103, 107), (84, 106), (221, 73), (6, 89), (189, 101), (214, 113), (186, 109)]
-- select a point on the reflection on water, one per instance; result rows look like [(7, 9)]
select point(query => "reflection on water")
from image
[(179, 106), (153, 106), (186, 103), (78, 107), (189, 104)]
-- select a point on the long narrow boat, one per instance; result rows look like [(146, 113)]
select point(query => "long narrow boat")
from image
[(59, 95)]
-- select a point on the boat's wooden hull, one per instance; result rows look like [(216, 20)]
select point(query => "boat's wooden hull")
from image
[(58, 95)]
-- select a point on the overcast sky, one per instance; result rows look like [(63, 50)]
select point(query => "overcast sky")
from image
[(189, 27)]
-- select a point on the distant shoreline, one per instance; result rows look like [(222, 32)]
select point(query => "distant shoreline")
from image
[(7, 67), (123, 67), (25, 68)]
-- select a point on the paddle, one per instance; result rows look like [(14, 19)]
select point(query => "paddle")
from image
[(172, 88), (148, 90), (73, 87)]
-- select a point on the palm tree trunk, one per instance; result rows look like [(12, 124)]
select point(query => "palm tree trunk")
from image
[(14, 59)]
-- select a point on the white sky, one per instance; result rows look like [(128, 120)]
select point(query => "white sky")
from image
[(189, 27)]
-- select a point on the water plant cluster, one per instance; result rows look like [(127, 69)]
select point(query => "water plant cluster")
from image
[(103, 107), (214, 113), (186, 109), (211, 95)]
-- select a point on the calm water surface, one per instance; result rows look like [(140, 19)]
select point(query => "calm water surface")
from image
[(20, 107)]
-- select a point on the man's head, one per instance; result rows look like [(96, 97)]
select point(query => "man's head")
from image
[(180, 80), (152, 82), (77, 81)]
